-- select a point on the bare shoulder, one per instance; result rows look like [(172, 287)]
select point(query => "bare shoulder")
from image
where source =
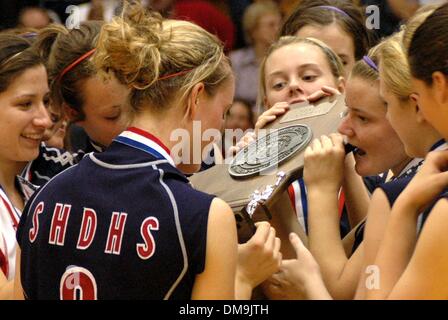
[(221, 217), (426, 276)]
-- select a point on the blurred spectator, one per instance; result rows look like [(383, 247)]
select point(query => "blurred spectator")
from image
[(33, 17), (261, 24), (236, 11), (207, 16), (239, 118), (200, 12)]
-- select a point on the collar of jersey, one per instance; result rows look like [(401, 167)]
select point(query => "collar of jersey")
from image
[(439, 145), (143, 140)]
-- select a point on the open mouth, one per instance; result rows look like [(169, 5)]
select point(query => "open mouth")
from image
[(352, 148), (359, 152)]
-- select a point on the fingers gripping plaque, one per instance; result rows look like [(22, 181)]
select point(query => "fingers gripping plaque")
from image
[(270, 150)]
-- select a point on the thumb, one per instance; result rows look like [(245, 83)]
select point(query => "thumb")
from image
[(296, 243)]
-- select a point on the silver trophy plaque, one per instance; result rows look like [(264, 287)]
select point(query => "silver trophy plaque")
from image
[(270, 150)]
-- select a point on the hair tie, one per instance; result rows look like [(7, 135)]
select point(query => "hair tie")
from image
[(76, 62), (332, 8), (9, 59), (370, 63), (168, 76)]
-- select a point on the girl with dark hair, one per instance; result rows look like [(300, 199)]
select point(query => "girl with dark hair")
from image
[(77, 94), (24, 97), (338, 23)]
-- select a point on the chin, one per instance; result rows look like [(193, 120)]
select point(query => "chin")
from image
[(189, 168), (27, 156), (365, 170)]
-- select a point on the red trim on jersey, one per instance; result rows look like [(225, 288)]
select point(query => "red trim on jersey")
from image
[(4, 262), (292, 196), (146, 134), (11, 211)]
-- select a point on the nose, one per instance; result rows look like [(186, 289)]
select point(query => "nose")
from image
[(42, 118), (295, 87), (345, 127)]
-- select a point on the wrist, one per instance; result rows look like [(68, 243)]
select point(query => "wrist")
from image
[(243, 287), (314, 282), (406, 205), (320, 191)]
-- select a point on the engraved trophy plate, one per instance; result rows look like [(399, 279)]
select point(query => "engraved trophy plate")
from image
[(305, 110), (270, 150), (262, 194)]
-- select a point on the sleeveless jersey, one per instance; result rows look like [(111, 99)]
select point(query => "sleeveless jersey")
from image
[(121, 224), (9, 220)]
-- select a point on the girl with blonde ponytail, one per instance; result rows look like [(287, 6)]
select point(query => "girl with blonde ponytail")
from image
[(169, 241)]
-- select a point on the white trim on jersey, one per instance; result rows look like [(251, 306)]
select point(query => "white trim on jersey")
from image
[(179, 234), (124, 166), (9, 220), (174, 206)]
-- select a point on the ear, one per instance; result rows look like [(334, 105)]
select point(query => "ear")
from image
[(413, 103), (440, 87), (194, 100), (71, 113), (341, 84)]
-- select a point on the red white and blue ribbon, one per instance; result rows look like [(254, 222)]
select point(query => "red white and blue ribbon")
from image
[(146, 142)]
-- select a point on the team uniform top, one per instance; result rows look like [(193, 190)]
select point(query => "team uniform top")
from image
[(394, 188), (50, 162), (121, 224), (9, 220)]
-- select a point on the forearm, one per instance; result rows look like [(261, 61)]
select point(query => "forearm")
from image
[(375, 228), (395, 250), (6, 290), (243, 289), (356, 198), (315, 289), (324, 236)]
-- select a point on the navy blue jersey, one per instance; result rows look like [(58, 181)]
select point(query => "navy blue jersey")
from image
[(49, 163), (392, 190), (121, 224), (439, 145)]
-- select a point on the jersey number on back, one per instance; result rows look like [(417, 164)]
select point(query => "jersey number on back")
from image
[(78, 283)]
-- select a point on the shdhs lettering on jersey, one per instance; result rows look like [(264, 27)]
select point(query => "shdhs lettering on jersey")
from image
[(87, 231)]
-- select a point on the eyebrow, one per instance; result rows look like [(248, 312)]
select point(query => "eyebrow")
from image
[(26, 95), (303, 66), (355, 109)]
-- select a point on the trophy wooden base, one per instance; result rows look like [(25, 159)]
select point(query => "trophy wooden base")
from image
[(265, 194)]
